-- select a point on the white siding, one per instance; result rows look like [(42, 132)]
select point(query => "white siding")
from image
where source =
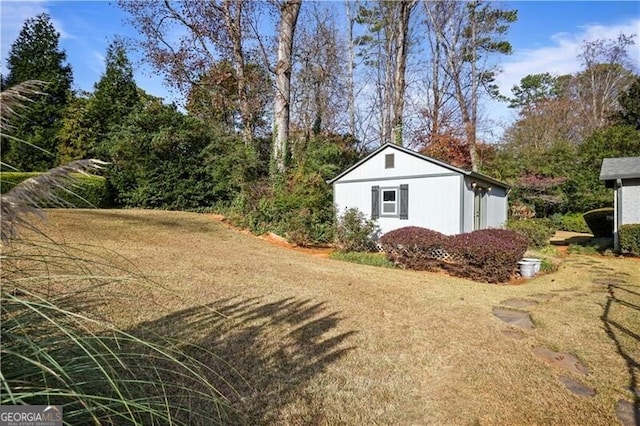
[(405, 165), (497, 208), (494, 204), (434, 202), (439, 198), (630, 194)]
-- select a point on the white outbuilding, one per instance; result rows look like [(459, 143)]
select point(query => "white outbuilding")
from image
[(623, 175), (399, 187)]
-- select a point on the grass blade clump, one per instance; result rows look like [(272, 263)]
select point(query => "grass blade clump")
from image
[(56, 348)]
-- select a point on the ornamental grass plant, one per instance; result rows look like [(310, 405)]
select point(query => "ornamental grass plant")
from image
[(58, 346)]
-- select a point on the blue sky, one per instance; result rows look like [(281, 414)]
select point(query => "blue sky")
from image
[(546, 37)]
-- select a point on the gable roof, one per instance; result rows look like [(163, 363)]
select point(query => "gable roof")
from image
[(471, 174), (620, 168)]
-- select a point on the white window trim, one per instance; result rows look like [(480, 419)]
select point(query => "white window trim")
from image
[(396, 203)]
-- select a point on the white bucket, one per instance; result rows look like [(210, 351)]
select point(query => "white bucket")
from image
[(536, 262), (527, 269)]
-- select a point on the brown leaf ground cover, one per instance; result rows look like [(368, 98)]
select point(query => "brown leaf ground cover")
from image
[(303, 339)]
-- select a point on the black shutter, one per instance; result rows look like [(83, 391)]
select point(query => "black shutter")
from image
[(404, 201), (375, 202)]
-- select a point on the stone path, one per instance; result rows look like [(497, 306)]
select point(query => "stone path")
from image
[(577, 387), (627, 413), (513, 313), (561, 360), (516, 318)]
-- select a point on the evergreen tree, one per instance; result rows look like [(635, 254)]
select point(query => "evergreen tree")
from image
[(630, 105), (77, 132), (89, 121), (35, 55), (116, 93)]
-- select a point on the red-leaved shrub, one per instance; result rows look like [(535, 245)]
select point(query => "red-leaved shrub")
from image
[(489, 255), (413, 247)]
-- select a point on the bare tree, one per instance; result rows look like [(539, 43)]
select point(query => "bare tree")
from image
[(439, 112), (467, 33), (209, 32), (404, 9), (607, 74), (289, 10), (319, 78), (388, 44), (351, 95)]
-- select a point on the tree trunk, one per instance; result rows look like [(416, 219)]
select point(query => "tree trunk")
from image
[(399, 85), (234, 27), (351, 102), (471, 120), (288, 17)]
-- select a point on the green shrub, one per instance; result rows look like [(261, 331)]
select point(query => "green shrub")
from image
[(413, 247), (537, 231), (548, 266), (372, 259), (629, 239), (600, 222), (571, 222), (87, 190), (355, 232)]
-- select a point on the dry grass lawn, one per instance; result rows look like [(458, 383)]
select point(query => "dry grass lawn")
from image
[(309, 340)]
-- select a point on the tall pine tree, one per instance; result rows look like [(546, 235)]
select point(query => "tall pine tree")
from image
[(116, 93), (88, 122), (35, 55)]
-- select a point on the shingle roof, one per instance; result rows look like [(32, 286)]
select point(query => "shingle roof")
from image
[(620, 168)]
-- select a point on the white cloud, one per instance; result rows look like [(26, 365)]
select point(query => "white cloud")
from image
[(96, 62), (557, 56), (560, 56)]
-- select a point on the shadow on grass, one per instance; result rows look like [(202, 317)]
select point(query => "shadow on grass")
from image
[(624, 333), (586, 244), (579, 240), (134, 218), (260, 354), (236, 361)]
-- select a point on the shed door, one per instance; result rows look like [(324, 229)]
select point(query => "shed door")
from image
[(479, 209)]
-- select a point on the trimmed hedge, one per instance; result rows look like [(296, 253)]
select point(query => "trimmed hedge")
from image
[(413, 247), (629, 239), (600, 222), (537, 231), (87, 190), (489, 255), (571, 222)]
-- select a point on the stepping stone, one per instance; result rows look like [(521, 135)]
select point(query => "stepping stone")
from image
[(609, 281), (519, 303), (514, 334), (542, 297), (515, 318), (562, 360), (577, 387), (627, 413)]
